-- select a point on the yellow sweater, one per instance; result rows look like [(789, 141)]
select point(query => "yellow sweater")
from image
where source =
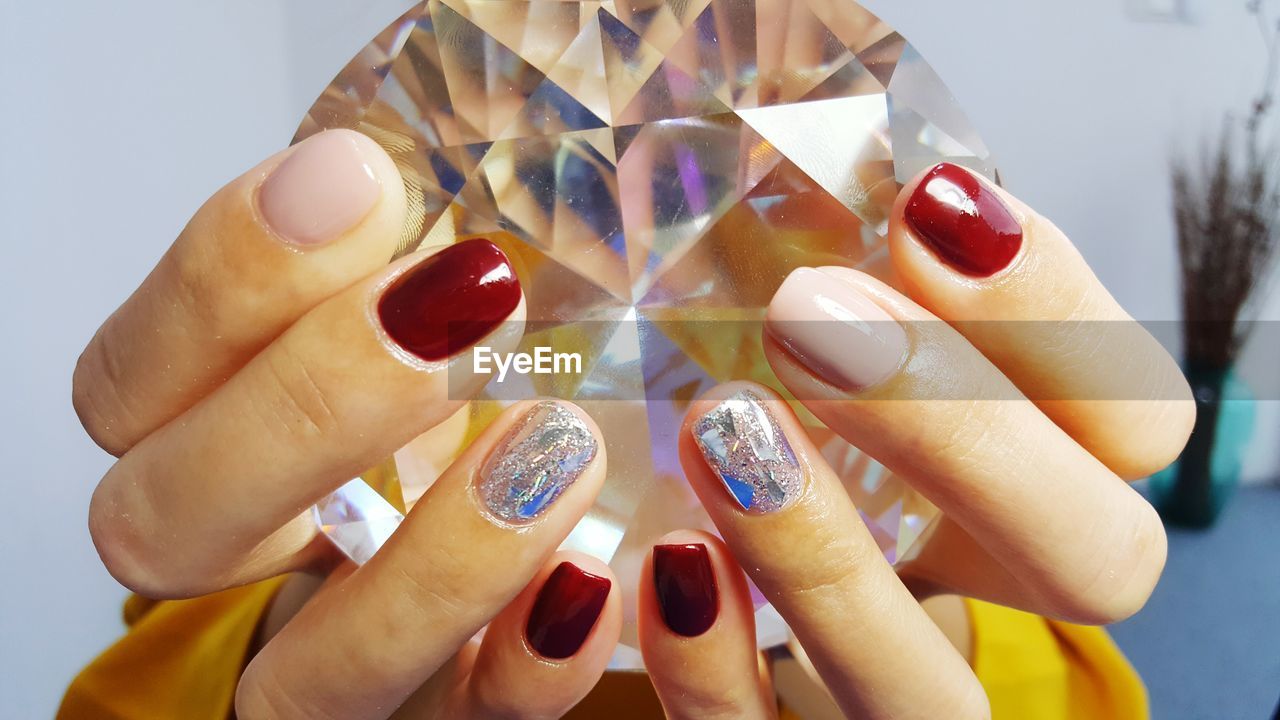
[(180, 660)]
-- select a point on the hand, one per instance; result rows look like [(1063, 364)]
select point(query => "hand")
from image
[(271, 356), (1019, 417)]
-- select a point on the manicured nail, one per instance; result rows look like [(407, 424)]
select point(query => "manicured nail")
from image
[(838, 333), (565, 610), (542, 454), (451, 300), (686, 588), (743, 444), (963, 221), (324, 188)]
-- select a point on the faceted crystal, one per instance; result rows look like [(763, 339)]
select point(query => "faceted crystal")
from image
[(357, 519), (654, 169)]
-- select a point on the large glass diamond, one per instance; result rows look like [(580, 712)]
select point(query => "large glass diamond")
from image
[(654, 168)]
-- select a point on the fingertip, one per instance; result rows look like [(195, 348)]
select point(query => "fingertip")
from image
[(549, 647), (690, 585), (697, 628)]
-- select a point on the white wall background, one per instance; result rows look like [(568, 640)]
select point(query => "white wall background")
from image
[(117, 119)]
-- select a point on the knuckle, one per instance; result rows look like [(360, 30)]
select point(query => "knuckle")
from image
[(195, 286), (442, 586), (501, 703), (1125, 576), (962, 698), (213, 287), (97, 398), (138, 550), (122, 544), (839, 566), (707, 704), (1171, 422), (262, 694), (299, 403)]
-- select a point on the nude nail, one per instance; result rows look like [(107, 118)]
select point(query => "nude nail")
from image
[(323, 189), (833, 329)]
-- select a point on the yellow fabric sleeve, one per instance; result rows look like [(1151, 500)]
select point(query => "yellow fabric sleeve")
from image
[(1038, 669), (181, 659)]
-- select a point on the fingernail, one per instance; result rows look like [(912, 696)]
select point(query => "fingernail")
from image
[(838, 333), (451, 300), (565, 610), (324, 188), (542, 454), (686, 588), (745, 447), (963, 221)]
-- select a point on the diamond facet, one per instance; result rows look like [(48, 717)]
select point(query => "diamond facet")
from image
[(654, 169)]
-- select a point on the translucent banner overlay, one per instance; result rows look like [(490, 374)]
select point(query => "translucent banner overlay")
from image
[(653, 360)]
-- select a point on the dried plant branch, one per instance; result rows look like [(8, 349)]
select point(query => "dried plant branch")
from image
[(1227, 216)]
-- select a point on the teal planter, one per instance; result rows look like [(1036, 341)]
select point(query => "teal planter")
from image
[(1192, 491)]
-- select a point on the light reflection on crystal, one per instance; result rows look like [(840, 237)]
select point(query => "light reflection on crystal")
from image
[(644, 163), (357, 519)]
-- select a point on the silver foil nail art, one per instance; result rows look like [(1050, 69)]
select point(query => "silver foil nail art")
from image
[(542, 454), (744, 445)]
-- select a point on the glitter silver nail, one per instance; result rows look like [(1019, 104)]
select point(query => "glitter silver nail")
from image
[(541, 456), (742, 442)]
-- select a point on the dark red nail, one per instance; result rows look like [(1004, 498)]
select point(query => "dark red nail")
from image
[(686, 588), (963, 221), (566, 609), (451, 300)]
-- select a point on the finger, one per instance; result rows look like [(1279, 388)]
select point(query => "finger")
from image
[(697, 631), (466, 549), (911, 392), (217, 497), (264, 250), (791, 526), (549, 647), (1018, 290)]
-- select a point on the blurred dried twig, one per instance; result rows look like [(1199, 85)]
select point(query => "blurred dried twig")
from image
[(1227, 215)]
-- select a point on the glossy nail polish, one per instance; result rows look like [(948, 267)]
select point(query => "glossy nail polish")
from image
[(543, 453), (325, 187), (565, 610), (963, 221), (745, 447), (686, 588), (449, 301), (842, 336)]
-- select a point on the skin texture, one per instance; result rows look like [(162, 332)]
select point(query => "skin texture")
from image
[(249, 376)]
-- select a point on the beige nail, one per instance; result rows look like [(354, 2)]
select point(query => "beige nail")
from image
[(322, 190), (833, 329)]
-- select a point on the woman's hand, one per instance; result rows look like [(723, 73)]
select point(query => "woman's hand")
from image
[(1020, 417), (271, 356)]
